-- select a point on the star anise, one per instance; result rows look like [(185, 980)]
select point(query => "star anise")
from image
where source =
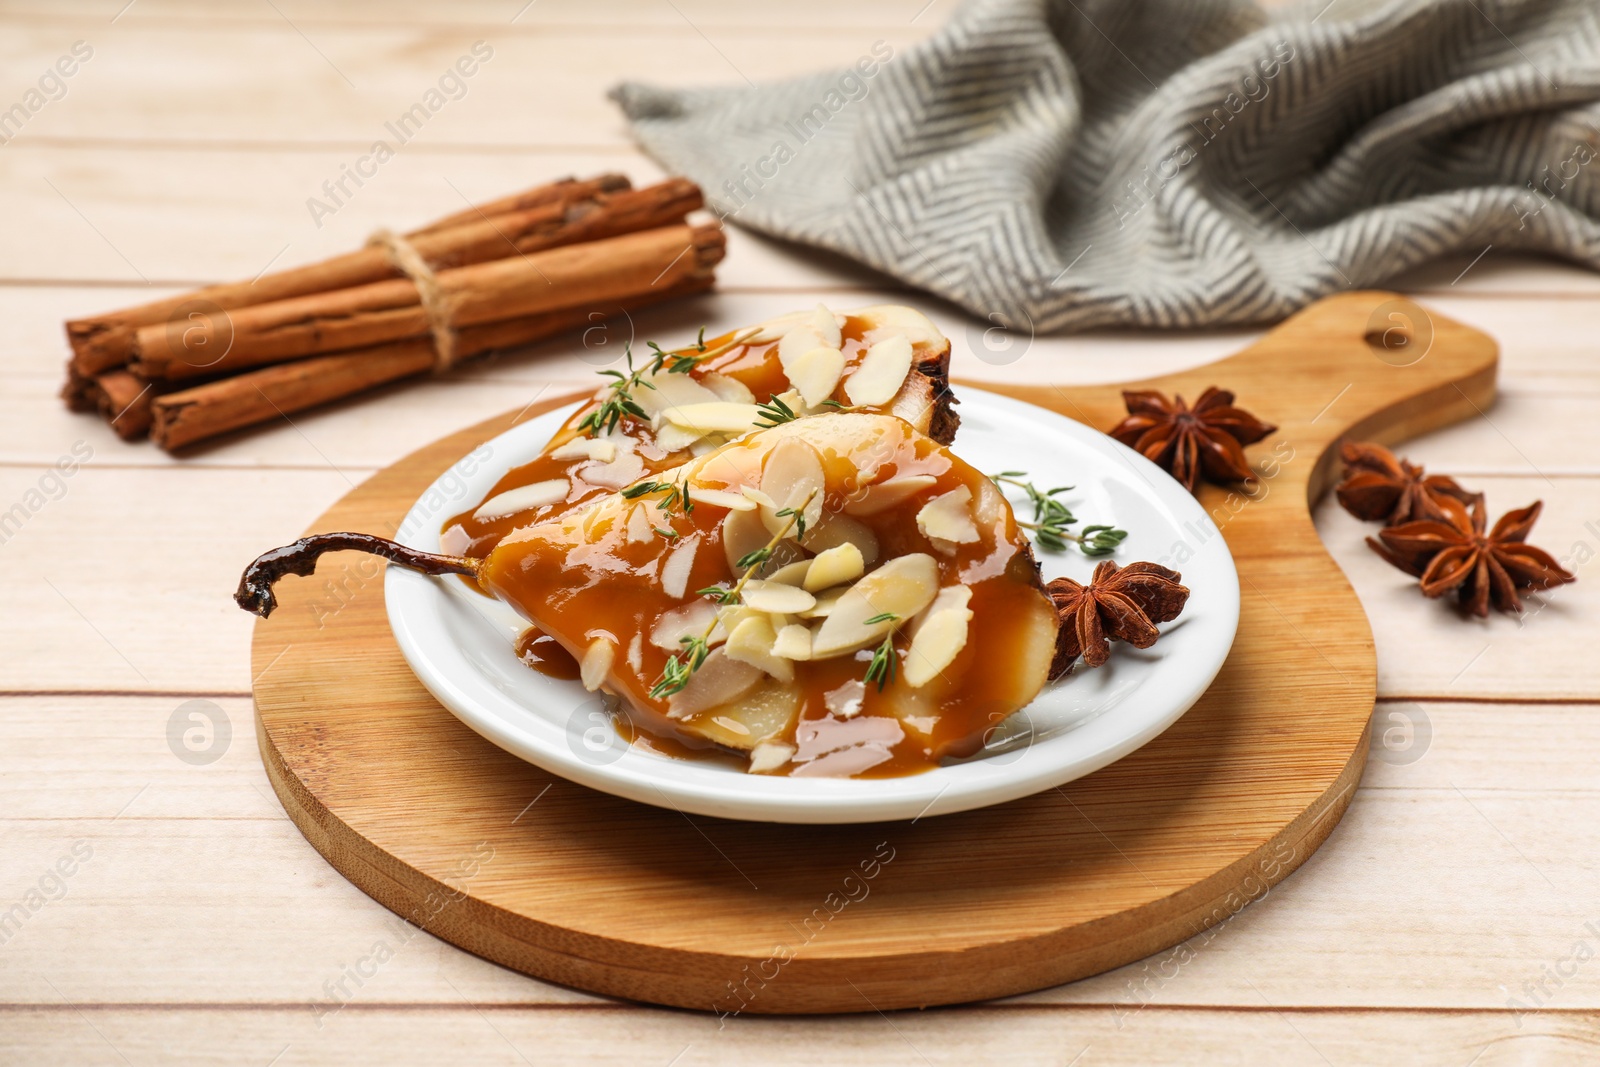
[(1380, 487), (1207, 439), (1483, 569), (1121, 604)]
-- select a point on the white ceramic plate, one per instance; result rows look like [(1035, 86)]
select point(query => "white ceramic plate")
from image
[(460, 644)]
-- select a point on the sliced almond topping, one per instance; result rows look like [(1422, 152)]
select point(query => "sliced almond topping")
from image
[(671, 390), (752, 493), (769, 756), (597, 660), (751, 642), (618, 474), (691, 619), (675, 571), (826, 324), (742, 534), (597, 448), (948, 517), (888, 319), (881, 373), (881, 497), (523, 498), (727, 388), (793, 574), (777, 597), (721, 498), (639, 524), (796, 343), (792, 475), (718, 681), (816, 374), (719, 416), (837, 565), (891, 594), (793, 642), (938, 636), (836, 529), (826, 602), (673, 438)]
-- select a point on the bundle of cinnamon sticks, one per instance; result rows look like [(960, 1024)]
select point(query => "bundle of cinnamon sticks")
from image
[(557, 257)]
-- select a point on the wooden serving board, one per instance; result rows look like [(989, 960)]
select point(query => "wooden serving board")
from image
[(581, 888)]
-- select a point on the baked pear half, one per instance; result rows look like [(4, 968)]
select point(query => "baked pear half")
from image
[(673, 405), (837, 595)]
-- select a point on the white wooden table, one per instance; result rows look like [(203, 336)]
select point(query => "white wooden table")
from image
[(1450, 919)]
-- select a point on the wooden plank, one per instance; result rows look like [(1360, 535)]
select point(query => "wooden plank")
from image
[(189, 80), (497, 14), (626, 1036), (1464, 827)]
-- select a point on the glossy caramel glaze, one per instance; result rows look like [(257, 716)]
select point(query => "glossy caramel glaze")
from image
[(589, 575), (546, 655)]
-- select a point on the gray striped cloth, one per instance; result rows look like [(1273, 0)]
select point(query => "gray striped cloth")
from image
[(1169, 163)]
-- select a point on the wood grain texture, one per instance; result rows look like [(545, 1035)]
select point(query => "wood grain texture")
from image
[(610, 896)]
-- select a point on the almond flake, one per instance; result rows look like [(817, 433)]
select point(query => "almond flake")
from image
[(816, 374), (791, 476), (618, 474), (776, 597), (675, 571), (596, 448), (673, 438), (751, 642), (727, 388), (691, 619), (769, 756), (742, 533), (948, 517), (872, 499), (938, 636), (721, 498), (597, 660), (837, 565), (836, 529), (523, 498), (826, 602), (793, 642), (881, 373), (793, 574), (639, 525), (826, 324), (719, 681), (891, 594), (672, 390), (796, 343), (719, 416)]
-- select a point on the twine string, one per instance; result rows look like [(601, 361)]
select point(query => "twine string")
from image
[(437, 304)]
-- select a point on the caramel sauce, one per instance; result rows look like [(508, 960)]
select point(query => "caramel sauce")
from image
[(581, 577), (755, 366), (546, 655)]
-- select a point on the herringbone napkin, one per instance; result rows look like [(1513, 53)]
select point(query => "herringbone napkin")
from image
[(1169, 163)]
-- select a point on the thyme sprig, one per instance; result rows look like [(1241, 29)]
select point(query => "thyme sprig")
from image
[(884, 661), (1051, 518), (620, 402), (775, 412), (681, 666), (676, 498)]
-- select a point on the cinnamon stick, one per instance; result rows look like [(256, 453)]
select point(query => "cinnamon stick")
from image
[(204, 411), (123, 399), (581, 275), (104, 341)]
